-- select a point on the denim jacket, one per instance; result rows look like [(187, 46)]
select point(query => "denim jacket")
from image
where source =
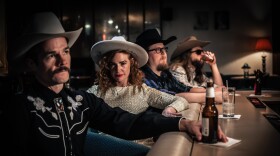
[(166, 82)]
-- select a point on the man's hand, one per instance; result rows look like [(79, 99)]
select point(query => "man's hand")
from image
[(193, 128)]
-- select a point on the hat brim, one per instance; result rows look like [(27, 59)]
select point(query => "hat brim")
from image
[(102, 47), (168, 40), (187, 46), (26, 42)]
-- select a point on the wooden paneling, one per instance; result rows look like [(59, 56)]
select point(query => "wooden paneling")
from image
[(3, 42)]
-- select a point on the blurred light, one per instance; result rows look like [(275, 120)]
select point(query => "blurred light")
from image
[(87, 26), (110, 21), (246, 68), (103, 37), (116, 26)]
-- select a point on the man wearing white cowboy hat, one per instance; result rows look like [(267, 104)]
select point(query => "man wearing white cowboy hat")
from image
[(48, 119), (188, 60), (156, 70)]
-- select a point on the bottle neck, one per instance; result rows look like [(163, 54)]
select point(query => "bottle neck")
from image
[(210, 92), (210, 96)]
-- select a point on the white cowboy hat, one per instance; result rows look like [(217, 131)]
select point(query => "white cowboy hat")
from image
[(43, 26), (118, 43), (187, 44)]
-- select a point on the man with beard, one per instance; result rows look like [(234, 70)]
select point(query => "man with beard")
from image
[(157, 74), (188, 60), (48, 119)]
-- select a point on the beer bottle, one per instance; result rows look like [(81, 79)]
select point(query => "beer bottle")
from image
[(210, 116), (257, 85)]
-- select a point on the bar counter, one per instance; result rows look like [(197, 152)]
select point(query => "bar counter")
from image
[(258, 136)]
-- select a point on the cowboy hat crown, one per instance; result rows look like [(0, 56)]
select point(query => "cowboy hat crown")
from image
[(42, 26), (99, 49), (187, 44), (152, 36)]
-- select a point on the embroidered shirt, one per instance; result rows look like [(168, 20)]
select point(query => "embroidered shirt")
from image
[(41, 122)]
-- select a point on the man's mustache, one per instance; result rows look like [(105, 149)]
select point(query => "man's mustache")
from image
[(63, 68)]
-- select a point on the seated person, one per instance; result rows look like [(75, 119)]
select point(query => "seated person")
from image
[(98, 145), (187, 62), (120, 81), (157, 74), (49, 119)]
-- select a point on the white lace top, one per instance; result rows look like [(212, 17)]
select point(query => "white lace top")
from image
[(124, 98)]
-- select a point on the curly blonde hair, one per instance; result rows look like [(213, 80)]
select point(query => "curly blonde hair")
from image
[(104, 78)]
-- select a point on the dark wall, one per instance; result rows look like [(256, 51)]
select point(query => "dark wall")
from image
[(16, 17), (275, 38), (18, 11)]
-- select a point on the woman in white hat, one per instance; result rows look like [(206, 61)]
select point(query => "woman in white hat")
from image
[(120, 81)]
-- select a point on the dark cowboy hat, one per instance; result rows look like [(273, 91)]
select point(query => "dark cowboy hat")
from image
[(187, 44), (152, 36)]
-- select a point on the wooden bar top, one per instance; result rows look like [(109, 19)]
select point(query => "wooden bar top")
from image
[(258, 136)]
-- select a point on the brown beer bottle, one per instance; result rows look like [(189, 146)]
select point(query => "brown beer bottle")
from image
[(210, 116), (258, 85)]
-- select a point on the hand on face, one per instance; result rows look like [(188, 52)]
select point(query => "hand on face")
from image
[(211, 57)]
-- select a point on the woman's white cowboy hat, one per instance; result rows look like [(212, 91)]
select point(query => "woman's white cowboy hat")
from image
[(43, 26), (187, 44), (118, 43)]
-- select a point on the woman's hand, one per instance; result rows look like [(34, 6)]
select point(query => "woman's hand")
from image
[(170, 112)]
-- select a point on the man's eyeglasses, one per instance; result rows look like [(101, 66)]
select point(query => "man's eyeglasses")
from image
[(198, 52), (159, 50)]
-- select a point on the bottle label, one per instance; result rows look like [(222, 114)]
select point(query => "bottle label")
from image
[(210, 92), (205, 126)]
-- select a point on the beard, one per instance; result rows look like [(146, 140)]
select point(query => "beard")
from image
[(162, 67), (198, 64)]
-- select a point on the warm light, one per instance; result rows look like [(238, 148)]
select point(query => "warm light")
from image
[(110, 21), (263, 45), (87, 26), (104, 37), (246, 68)]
